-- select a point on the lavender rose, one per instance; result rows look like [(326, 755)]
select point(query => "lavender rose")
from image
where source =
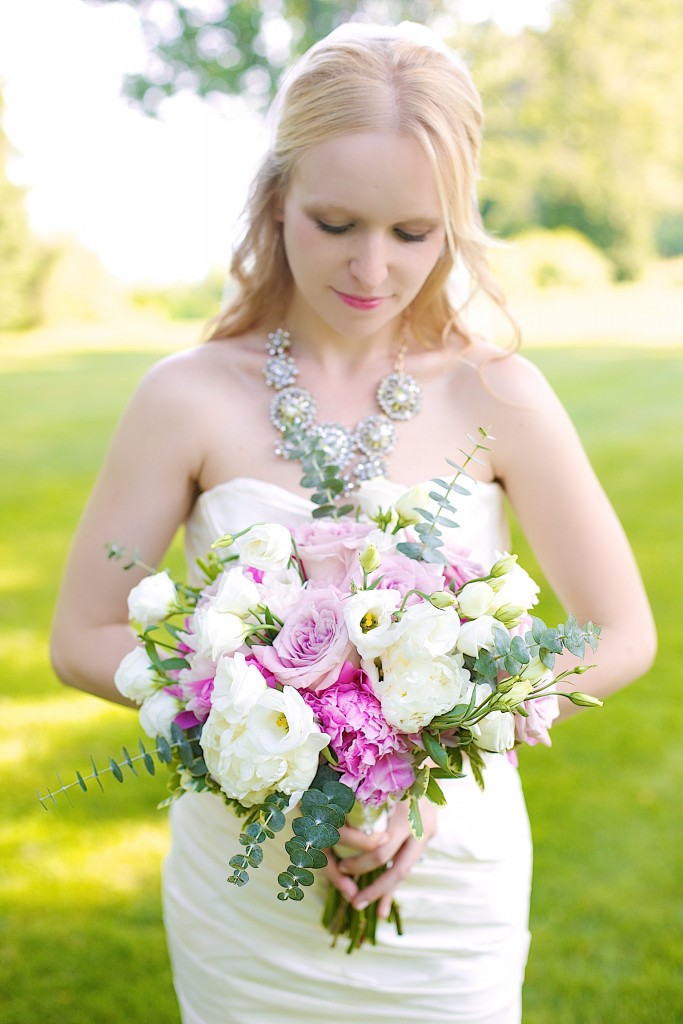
[(312, 644), (329, 548)]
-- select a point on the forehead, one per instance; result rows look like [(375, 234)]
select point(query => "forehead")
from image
[(386, 173)]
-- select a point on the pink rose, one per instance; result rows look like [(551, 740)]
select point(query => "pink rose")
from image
[(313, 643), (461, 568), (398, 572), (372, 756), (329, 548)]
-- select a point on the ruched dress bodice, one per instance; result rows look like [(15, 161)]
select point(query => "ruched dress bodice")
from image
[(240, 955)]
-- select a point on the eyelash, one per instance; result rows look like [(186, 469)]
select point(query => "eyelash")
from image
[(333, 229)]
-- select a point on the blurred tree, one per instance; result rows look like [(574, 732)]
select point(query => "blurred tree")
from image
[(584, 125), (22, 261), (240, 46)]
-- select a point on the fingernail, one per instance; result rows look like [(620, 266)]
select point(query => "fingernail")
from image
[(360, 905)]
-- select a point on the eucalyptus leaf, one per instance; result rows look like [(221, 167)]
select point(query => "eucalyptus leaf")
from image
[(340, 794)]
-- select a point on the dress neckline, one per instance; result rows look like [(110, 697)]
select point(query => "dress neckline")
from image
[(250, 481)]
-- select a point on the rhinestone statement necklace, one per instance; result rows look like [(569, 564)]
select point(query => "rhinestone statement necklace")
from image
[(361, 452)]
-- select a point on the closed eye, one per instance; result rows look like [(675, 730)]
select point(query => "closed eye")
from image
[(340, 229), (333, 229)]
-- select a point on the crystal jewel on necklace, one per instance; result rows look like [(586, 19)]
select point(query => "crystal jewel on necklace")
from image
[(374, 437), (399, 396)]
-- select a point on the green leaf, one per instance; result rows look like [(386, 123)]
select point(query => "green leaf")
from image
[(163, 750), (410, 549), (302, 875), (239, 861), (519, 651), (551, 641), (435, 750), (115, 770), (434, 792), (81, 782), (299, 855), (512, 666), (425, 514), (320, 836), (275, 819), (340, 794), (538, 628), (255, 832), (501, 640), (415, 818), (312, 799), (486, 665), (286, 880), (239, 877)]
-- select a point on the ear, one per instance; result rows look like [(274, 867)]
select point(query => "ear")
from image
[(277, 207)]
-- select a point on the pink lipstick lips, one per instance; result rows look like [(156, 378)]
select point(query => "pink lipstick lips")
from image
[(358, 302)]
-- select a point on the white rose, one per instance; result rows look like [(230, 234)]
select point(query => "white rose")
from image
[(152, 600), (135, 676), (427, 629), (276, 748), (225, 632), (266, 546), (496, 732), (236, 593), (157, 714), (369, 622), (412, 499), (518, 589), (280, 590), (477, 635), (417, 687), (477, 599)]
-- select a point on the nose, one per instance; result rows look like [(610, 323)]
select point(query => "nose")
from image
[(368, 264)]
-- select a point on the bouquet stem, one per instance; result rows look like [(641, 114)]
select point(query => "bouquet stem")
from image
[(341, 918)]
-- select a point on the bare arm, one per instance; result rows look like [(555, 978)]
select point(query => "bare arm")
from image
[(572, 528), (143, 493)]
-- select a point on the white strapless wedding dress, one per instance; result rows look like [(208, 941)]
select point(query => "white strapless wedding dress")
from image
[(240, 956)]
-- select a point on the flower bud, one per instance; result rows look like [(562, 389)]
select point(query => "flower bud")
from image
[(226, 541), (509, 614), (512, 695), (442, 599), (369, 558), (584, 700), (503, 565)]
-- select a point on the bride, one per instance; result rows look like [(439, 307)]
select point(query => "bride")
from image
[(356, 219)]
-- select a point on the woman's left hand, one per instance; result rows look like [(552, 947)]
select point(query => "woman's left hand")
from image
[(399, 853)]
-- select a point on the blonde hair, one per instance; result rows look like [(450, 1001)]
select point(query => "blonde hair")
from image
[(369, 85)]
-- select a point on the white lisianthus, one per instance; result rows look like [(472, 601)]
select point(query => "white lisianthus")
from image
[(236, 688), (428, 630), (536, 672), (276, 747), (477, 635), (280, 590), (374, 498), (267, 546), (225, 631), (416, 687), (369, 622), (518, 588), (153, 599), (157, 714), (496, 732), (236, 593), (135, 676), (476, 599), (412, 499)]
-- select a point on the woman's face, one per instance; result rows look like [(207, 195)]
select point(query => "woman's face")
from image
[(363, 229)]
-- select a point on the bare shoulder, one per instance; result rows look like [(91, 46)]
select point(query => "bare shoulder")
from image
[(519, 406)]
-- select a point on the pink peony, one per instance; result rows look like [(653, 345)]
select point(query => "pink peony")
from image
[(329, 548), (398, 572), (313, 643), (373, 757)]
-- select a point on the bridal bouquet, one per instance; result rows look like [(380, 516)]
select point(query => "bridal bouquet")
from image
[(332, 670)]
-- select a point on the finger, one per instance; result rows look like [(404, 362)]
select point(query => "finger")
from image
[(373, 859), (359, 840), (346, 886), (383, 888)]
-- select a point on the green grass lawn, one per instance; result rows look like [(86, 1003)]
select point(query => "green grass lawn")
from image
[(80, 930)]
